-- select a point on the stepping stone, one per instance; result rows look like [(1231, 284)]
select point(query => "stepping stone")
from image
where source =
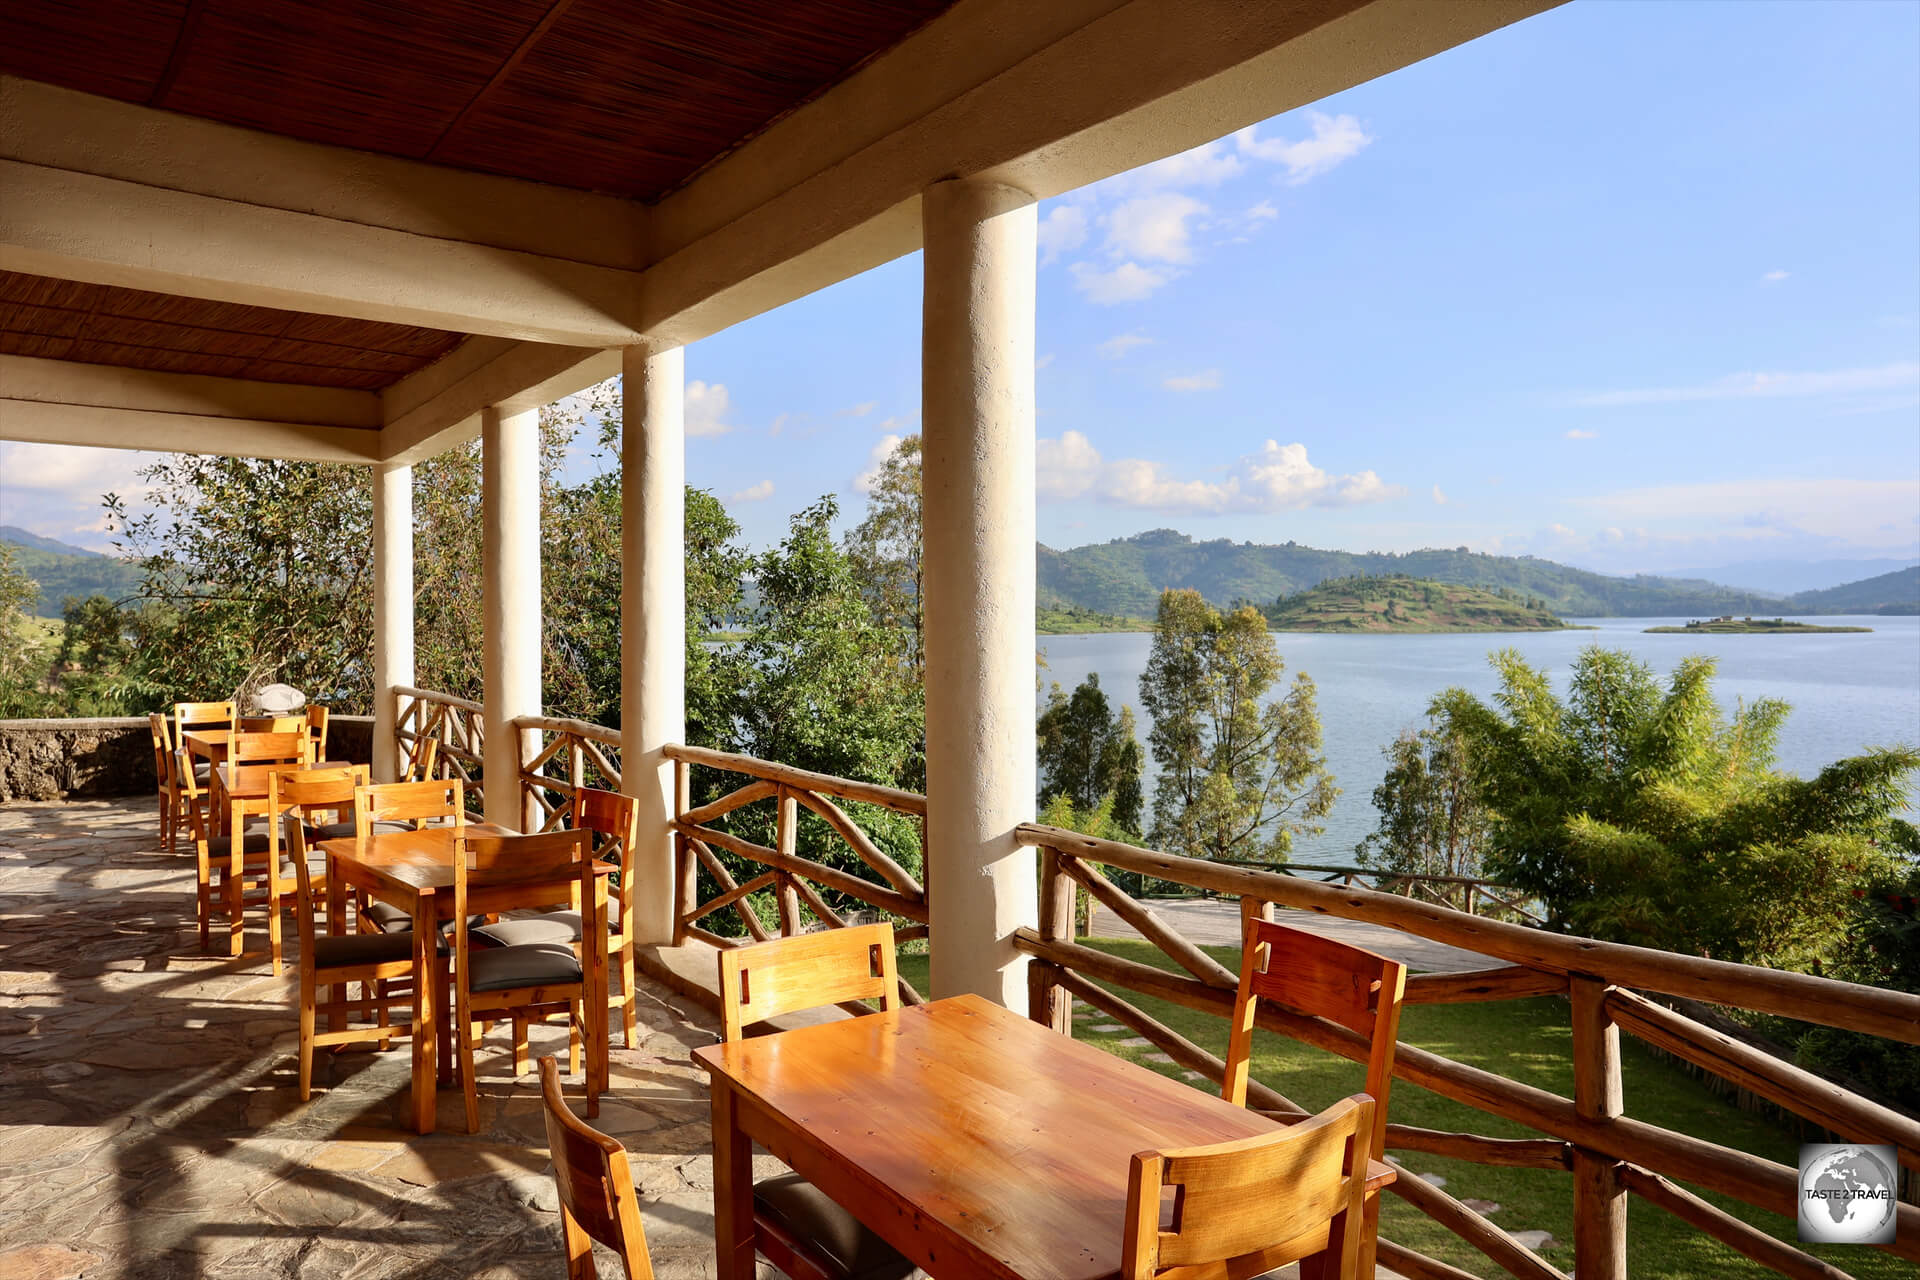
[(1107, 1028), (1434, 1178), (1158, 1057), (1538, 1241), (1194, 1076), (1482, 1207), (1134, 1042)]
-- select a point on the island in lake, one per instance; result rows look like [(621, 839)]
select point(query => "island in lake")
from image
[(1368, 605), (1729, 626)]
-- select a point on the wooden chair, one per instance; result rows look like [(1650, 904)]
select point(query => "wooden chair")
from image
[(614, 821), (1320, 977), (397, 806), (188, 716), (795, 1225), (271, 724), (254, 861), (377, 961), (317, 717), (210, 850), (1242, 1208), (166, 783), (534, 980), (308, 795), (595, 1182)]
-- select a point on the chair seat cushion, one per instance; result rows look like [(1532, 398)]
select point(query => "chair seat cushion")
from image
[(388, 918), (346, 830), (809, 1214), (533, 964), (202, 772), (361, 948), (254, 842), (555, 926)]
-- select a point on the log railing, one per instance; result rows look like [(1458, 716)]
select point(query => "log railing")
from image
[(1593, 1135), (795, 882), (1471, 894), (456, 724), (559, 757)]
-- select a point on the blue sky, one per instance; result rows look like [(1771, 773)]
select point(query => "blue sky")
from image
[(1633, 286)]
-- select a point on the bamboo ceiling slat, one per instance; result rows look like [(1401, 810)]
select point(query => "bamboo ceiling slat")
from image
[(625, 96)]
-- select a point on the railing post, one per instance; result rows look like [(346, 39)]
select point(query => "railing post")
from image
[(1599, 1190), (1047, 1002), (685, 866), (783, 891)]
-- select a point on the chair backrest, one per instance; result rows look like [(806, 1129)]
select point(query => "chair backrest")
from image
[(270, 748), (317, 716), (415, 802), (162, 751), (201, 715), (806, 971), (420, 755), (193, 797), (310, 792), (295, 839), (271, 724), (1253, 1204), (1320, 977), (615, 819), (595, 1183), (562, 861)]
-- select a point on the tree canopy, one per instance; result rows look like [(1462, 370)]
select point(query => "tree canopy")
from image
[(1090, 757)]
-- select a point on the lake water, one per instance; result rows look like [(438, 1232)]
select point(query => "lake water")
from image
[(1847, 692)]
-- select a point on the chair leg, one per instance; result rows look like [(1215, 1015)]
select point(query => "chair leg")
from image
[(519, 1046), (274, 938), (307, 996), (206, 901), (627, 1017), (236, 903), (573, 1041), (579, 1248), (469, 1087)]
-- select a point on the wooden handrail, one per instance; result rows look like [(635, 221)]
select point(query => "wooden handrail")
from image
[(576, 728), (428, 695), (802, 779)]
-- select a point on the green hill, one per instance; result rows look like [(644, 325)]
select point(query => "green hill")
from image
[(1889, 593), (63, 570), (1125, 577), (1403, 604)]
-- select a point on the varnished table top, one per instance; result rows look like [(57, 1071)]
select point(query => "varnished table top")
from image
[(249, 781), (991, 1143), (419, 860)]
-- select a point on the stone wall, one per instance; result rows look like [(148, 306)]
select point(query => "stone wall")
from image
[(58, 759)]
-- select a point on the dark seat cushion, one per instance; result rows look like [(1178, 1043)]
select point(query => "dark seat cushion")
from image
[(361, 948), (250, 844), (202, 772), (388, 918), (555, 926), (808, 1213), (346, 830), (534, 964)]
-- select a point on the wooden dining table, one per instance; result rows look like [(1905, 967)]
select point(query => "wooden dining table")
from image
[(413, 870), (976, 1142), (240, 792)]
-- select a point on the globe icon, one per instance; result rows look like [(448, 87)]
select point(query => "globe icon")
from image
[(1847, 1194)]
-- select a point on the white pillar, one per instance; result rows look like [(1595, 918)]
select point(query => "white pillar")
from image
[(653, 616), (510, 512), (392, 607), (977, 450)]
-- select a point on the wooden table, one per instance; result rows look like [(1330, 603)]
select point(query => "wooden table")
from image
[(976, 1142), (413, 870), (240, 792), (209, 744)]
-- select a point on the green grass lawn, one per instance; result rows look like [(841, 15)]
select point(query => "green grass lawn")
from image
[(1524, 1040)]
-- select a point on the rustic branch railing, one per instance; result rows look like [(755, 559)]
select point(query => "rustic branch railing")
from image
[(1471, 894), (1610, 1154), (455, 723), (794, 881), (559, 758)]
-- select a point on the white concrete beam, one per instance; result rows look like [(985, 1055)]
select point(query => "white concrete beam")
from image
[(39, 422), (116, 387), (433, 410)]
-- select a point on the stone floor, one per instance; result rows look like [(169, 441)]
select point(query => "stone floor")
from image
[(150, 1125)]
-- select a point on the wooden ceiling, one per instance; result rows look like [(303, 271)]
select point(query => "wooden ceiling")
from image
[(66, 320), (629, 97)]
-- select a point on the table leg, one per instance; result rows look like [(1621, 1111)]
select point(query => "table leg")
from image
[(426, 1014), (732, 1187), (598, 1029), (236, 879), (336, 925)]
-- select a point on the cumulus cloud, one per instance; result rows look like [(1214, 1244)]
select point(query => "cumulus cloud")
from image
[(1277, 478), (864, 482), (1775, 276), (1576, 433), (860, 410), (779, 425), (1041, 362), (753, 493), (1063, 230), (1127, 282), (1899, 376), (1153, 227), (1205, 380), (1115, 347), (1207, 165), (1334, 139), (1439, 498), (1261, 212), (706, 409), (55, 489)]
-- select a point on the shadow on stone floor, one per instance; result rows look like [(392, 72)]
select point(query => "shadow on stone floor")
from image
[(150, 1124)]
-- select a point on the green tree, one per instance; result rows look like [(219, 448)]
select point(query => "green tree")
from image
[(1240, 775), (1642, 813), (95, 670), (1432, 820), (1090, 757), (22, 655), (887, 547)]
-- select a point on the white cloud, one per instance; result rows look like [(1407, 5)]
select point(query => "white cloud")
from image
[(1775, 276), (753, 493), (1865, 512), (1205, 380), (1127, 282), (779, 425), (1576, 433), (864, 482), (1115, 347), (1153, 227), (1063, 230), (55, 489), (706, 409), (1261, 212), (860, 410), (1207, 165), (1747, 386), (1041, 362), (1439, 498), (1277, 478), (1334, 139), (892, 421)]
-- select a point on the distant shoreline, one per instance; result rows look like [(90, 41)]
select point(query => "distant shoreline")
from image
[(1753, 627)]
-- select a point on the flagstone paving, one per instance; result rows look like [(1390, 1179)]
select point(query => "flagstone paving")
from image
[(150, 1126)]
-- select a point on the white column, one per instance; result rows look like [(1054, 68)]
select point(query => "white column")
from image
[(510, 511), (653, 616), (977, 408), (392, 607)]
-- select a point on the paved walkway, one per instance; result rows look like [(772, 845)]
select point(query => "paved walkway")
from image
[(1215, 922)]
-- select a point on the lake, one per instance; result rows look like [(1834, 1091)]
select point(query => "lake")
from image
[(1847, 692)]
